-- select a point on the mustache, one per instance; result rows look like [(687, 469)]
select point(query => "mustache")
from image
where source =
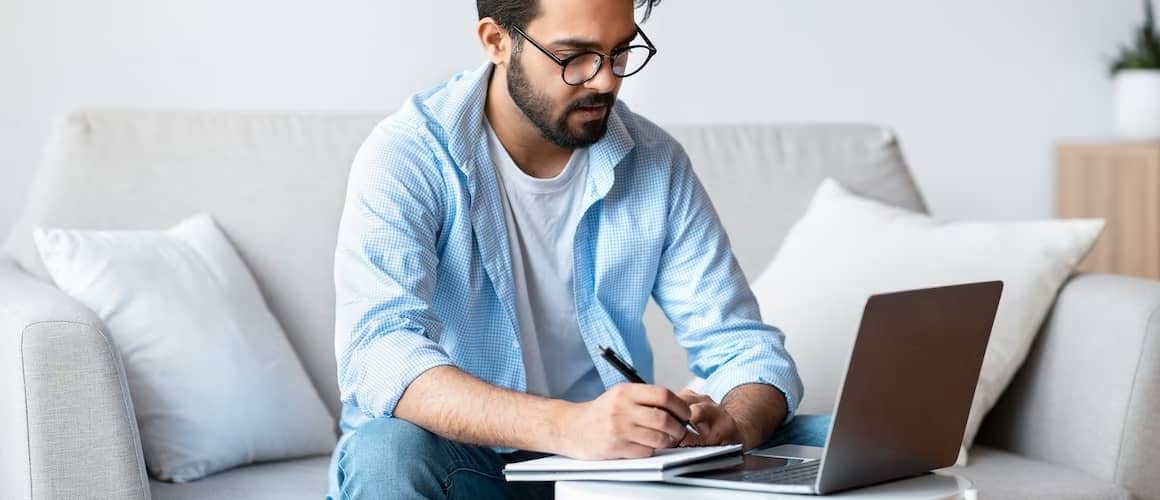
[(592, 100)]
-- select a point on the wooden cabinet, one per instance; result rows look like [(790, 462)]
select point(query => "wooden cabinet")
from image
[(1119, 182)]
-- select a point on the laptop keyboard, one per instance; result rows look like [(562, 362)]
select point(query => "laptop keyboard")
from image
[(803, 473)]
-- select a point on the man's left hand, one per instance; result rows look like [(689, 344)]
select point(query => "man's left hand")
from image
[(715, 424)]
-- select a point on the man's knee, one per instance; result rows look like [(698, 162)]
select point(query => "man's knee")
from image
[(390, 451), (391, 436)]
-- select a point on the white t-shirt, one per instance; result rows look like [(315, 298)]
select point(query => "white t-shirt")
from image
[(541, 217)]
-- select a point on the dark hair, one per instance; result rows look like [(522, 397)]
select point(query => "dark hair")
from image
[(508, 13)]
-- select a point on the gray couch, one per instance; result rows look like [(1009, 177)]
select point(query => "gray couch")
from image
[(1079, 421)]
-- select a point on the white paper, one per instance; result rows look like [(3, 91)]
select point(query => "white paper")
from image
[(662, 459)]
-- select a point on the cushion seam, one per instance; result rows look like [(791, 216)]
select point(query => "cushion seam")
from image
[(24, 389), (1116, 471)]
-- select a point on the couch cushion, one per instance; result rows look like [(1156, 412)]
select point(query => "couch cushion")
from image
[(273, 181), (197, 344), (997, 474), (303, 479), (1088, 396)]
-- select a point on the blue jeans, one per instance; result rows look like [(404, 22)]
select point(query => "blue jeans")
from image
[(393, 458)]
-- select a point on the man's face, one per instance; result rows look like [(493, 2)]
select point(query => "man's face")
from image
[(566, 115)]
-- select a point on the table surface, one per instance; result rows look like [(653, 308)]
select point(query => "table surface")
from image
[(940, 485)]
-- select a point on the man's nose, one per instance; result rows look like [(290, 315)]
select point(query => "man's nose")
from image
[(604, 81)]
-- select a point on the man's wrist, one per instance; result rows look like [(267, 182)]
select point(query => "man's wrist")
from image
[(751, 435), (556, 434), (757, 409)]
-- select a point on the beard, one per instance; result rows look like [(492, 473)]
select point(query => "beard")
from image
[(538, 108)]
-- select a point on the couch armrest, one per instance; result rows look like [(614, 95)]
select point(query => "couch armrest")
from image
[(1088, 396), (67, 428)]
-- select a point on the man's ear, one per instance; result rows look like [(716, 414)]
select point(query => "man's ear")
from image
[(494, 40)]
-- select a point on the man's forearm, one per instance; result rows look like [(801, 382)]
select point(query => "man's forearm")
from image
[(759, 410), (453, 404)]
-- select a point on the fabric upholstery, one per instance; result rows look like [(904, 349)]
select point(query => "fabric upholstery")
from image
[(998, 474), (302, 479), (66, 417), (273, 182), (213, 380), (1088, 396)]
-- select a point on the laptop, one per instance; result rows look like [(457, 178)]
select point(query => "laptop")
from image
[(902, 408)]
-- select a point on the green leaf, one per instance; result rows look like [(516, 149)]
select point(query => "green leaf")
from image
[(1144, 50)]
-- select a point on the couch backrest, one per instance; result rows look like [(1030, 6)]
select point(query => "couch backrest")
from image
[(275, 183)]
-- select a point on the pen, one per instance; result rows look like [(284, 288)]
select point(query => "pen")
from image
[(630, 374)]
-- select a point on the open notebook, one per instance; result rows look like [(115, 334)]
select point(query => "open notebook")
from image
[(665, 462)]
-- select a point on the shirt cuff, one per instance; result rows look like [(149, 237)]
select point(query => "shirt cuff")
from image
[(399, 359)]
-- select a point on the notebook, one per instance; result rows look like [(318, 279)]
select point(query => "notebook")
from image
[(665, 462)]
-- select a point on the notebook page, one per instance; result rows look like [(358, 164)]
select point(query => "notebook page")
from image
[(662, 458)]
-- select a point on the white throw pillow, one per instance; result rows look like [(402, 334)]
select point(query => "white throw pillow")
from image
[(846, 248), (214, 382)]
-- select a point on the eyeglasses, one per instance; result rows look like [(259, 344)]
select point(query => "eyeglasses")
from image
[(580, 68)]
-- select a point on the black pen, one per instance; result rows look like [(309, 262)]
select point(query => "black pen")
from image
[(630, 374)]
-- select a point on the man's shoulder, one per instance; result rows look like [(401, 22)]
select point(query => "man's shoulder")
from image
[(410, 124), (401, 146), (400, 134), (428, 114)]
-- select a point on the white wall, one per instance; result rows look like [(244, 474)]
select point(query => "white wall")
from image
[(979, 90)]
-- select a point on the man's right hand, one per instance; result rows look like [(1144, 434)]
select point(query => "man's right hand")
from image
[(625, 422)]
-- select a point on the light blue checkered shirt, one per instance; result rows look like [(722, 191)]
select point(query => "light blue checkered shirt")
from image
[(423, 267)]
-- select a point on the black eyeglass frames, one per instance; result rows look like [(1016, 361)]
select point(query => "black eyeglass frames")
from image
[(578, 69)]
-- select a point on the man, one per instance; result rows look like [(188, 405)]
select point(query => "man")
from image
[(502, 227)]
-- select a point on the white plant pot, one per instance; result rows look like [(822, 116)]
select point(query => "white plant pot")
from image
[(1138, 103)]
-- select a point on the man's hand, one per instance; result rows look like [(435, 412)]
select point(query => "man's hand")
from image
[(716, 425), (625, 422), (749, 415)]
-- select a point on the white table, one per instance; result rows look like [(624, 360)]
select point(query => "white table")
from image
[(940, 485)]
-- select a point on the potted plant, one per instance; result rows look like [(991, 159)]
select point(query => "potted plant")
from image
[(1136, 70)]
